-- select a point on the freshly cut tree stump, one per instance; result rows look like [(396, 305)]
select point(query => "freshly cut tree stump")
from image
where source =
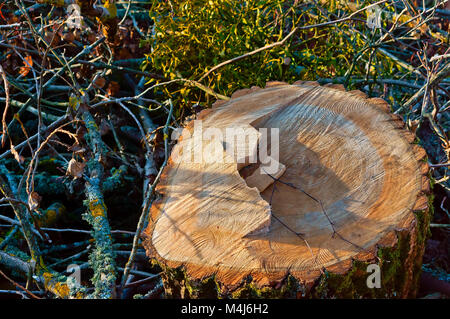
[(350, 188)]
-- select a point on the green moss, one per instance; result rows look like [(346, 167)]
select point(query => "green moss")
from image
[(205, 289), (249, 291), (288, 289), (50, 215), (394, 271), (354, 283), (423, 225), (50, 165), (177, 284), (350, 285)]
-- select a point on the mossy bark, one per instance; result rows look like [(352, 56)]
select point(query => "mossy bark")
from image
[(400, 269)]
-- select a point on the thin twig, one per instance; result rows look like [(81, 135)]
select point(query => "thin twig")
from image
[(148, 201), (19, 286)]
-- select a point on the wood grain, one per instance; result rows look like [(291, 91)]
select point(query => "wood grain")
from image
[(340, 147)]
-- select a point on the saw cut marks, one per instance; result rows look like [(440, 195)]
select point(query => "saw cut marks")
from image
[(335, 146)]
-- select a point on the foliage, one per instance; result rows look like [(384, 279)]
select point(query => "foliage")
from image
[(190, 37)]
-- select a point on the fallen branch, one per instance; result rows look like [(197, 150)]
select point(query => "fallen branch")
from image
[(102, 258), (434, 80), (26, 222)]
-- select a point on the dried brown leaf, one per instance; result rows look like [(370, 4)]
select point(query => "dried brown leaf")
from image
[(100, 82), (75, 169), (19, 158), (113, 88), (28, 63), (34, 200)]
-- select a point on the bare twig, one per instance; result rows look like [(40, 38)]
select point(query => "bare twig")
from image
[(148, 201), (19, 286), (5, 111)]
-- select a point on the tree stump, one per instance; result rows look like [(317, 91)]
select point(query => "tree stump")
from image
[(350, 189)]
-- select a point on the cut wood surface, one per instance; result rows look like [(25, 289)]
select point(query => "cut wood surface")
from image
[(349, 178)]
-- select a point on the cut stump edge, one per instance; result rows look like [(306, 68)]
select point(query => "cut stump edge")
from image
[(399, 253)]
